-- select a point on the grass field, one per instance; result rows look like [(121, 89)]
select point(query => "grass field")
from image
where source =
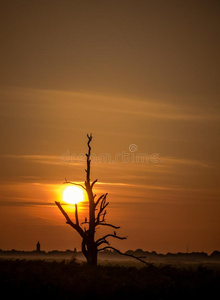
[(39, 279)]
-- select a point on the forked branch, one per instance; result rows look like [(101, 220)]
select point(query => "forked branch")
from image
[(104, 241), (73, 183), (99, 199), (100, 219), (69, 221), (102, 212)]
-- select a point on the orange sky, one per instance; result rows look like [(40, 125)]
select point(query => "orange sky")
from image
[(141, 73)]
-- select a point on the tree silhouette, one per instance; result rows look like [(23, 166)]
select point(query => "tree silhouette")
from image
[(97, 217)]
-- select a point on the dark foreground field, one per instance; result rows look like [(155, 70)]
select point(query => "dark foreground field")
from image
[(33, 279)]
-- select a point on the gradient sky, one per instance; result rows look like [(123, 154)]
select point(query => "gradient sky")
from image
[(131, 72)]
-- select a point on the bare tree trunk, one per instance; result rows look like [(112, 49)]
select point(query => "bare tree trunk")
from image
[(91, 244), (92, 254), (89, 249)]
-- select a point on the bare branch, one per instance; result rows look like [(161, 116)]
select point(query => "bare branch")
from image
[(78, 184), (99, 199), (103, 239), (106, 224), (101, 212), (68, 220), (89, 136), (94, 183), (125, 254), (64, 213), (76, 215)]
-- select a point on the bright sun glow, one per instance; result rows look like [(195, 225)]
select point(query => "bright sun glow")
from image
[(73, 194)]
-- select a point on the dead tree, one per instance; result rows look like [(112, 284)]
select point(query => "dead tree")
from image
[(97, 217)]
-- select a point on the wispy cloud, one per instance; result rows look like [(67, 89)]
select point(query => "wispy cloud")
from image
[(184, 161), (149, 108), (13, 201), (38, 158)]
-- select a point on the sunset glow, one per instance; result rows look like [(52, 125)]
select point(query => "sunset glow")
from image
[(73, 195), (143, 77)]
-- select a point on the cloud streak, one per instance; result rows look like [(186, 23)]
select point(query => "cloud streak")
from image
[(100, 103)]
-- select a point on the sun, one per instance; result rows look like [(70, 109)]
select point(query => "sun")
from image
[(73, 194)]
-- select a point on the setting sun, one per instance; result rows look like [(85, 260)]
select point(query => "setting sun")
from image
[(73, 194)]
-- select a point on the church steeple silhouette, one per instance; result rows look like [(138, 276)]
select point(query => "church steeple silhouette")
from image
[(38, 247)]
